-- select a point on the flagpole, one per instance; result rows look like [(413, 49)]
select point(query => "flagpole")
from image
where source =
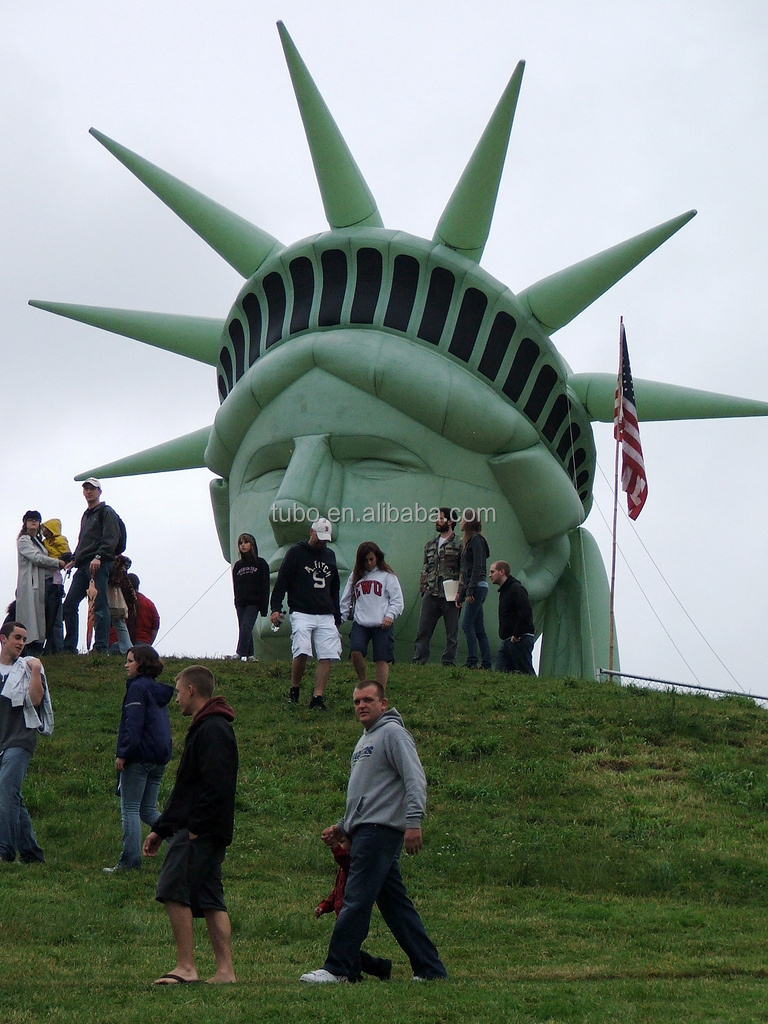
[(618, 417)]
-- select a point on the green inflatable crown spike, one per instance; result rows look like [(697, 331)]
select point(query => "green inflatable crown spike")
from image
[(195, 337), (557, 299), (185, 452), (466, 220), (241, 244), (656, 401), (346, 197)]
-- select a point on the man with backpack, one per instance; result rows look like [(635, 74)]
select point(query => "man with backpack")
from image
[(102, 536)]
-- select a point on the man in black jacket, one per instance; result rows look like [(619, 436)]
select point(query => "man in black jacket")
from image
[(310, 578), (515, 622), (198, 822), (93, 557)]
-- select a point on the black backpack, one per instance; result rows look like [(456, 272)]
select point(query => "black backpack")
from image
[(122, 540)]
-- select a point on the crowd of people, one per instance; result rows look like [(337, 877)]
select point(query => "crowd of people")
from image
[(453, 577), (386, 797), (119, 615), (386, 801)]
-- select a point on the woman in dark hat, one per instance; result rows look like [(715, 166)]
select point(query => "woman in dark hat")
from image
[(34, 565)]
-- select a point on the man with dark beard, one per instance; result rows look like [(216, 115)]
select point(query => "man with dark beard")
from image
[(442, 563)]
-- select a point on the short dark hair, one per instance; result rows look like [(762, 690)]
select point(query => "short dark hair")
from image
[(147, 659), (365, 683), (447, 513), (503, 567), (199, 678), (8, 627)]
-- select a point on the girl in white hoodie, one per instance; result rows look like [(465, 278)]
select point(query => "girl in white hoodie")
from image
[(373, 599)]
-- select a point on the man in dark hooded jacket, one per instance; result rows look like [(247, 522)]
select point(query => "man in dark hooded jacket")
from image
[(198, 823)]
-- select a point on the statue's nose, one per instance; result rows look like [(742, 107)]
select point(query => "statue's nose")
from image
[(313, 484)]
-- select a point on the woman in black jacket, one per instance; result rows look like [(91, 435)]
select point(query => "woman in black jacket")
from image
[(143, 749), (250, 578)]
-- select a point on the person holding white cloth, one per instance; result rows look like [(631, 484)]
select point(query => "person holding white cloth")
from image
[(25, 712)]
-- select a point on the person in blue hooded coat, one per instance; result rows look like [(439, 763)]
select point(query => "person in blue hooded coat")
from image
[(143, 749)]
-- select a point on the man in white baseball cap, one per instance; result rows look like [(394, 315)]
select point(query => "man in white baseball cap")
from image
[(99, 540), (322, 529), (310, 578)]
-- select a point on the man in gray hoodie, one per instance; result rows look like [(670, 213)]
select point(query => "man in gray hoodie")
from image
[(386, 800)]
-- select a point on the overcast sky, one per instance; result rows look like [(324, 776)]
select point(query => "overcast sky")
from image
[(630, 113)]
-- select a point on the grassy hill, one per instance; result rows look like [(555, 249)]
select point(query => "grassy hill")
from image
[(592, 853)]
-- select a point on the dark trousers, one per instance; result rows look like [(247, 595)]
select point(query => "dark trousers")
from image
[(101, 618), (374, 877), (473, 625), (246, 619), (433, 609), (54, 622), (516, 657), (376, 966)]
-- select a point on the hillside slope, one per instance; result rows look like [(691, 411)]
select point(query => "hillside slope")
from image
[(577, 832)]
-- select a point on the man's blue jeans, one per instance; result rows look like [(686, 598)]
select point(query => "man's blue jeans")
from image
[(77, 591), (374, 877), (139, 786), (15, 826)]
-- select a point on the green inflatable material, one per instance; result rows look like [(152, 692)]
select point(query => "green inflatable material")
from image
[(370, 376)]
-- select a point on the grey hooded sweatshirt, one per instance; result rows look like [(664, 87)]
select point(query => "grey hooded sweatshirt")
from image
[(387, 785)]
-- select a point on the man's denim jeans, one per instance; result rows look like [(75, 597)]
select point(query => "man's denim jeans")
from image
[(15, 826), (374, 877), (78, 589)]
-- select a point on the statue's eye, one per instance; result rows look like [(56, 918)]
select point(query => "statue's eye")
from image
[(370, 455)]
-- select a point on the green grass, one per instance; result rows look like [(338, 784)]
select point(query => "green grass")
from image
[(591, 854)]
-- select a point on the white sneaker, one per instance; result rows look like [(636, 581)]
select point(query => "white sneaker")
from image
[(321, 977)]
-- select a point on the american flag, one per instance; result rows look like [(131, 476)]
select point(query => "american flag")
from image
[(626, 430)]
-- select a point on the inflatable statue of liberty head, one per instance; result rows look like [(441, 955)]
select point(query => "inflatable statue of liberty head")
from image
[(370, 377)]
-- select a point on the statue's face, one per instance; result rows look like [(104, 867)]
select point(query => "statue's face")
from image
[(324, 447)]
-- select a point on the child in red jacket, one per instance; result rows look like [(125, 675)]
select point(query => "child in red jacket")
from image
[(377, 966)]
